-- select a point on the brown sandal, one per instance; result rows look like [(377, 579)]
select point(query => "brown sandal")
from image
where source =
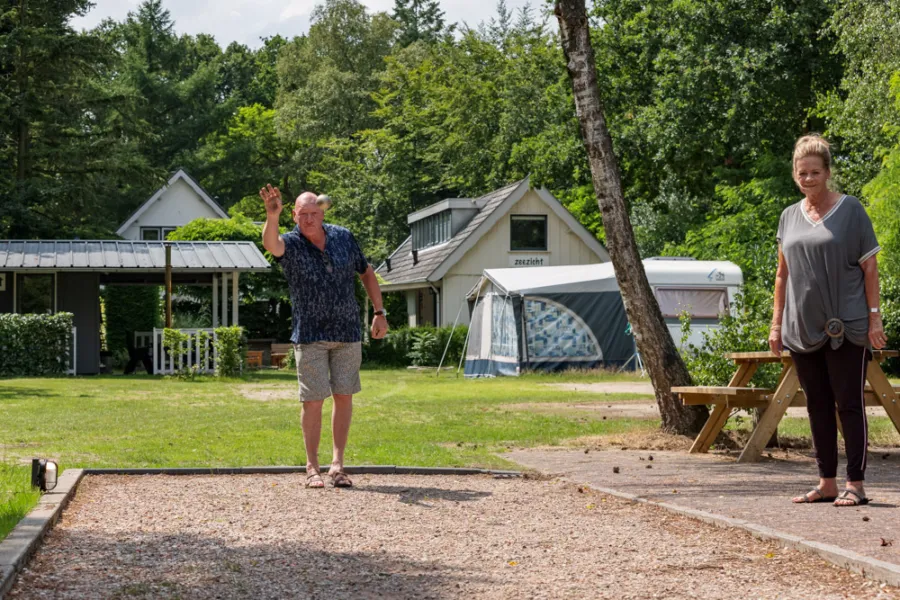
[(314, 480), (339, 479)]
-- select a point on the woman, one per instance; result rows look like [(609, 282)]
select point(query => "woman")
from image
[(827, 315)]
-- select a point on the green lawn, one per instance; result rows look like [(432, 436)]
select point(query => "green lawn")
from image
[(401, 417), (16, 495)]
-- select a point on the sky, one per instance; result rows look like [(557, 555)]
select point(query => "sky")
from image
[(246, 21)]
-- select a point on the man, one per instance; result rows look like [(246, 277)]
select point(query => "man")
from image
[(319, 261)]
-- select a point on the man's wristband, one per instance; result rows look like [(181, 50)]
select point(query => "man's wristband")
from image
[(380, 312)]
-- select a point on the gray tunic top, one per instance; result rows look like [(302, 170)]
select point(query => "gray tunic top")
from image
[(825, 280)]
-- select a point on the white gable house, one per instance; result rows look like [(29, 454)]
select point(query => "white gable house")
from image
[(453, 241), (177, 203)]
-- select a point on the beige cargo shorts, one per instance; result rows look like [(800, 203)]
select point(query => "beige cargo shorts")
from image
[(327, 368)]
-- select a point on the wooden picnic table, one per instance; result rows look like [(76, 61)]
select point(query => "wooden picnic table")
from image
[(774, 403)]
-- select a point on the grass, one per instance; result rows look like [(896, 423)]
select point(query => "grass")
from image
[(16, 495), (401, 417)]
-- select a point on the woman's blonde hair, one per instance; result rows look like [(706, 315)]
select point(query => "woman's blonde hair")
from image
[(813, 145)]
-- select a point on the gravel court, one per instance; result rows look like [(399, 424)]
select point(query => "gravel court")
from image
[(393, 536)]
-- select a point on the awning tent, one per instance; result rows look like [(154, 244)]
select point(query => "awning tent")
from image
[(556, 318)]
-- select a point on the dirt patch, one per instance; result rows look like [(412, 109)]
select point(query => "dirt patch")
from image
[(268, 393), (653, 439), (402, 537), (611, 387), (636, 409), (595, 410)]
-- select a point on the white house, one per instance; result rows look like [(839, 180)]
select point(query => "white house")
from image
[(177, 203), (452, 242)]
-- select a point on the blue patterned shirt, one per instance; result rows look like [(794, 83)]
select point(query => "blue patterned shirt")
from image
[(321, 284)]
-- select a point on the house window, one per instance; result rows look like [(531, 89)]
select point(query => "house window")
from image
[(34, 294), (431, 231), (528, 232), (700, 303), (155, 234)]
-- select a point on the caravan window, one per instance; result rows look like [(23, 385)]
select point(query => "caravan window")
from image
[(701, 303)]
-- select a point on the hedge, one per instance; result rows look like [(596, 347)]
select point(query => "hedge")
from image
[(419, 346), (34, 345), (128, 309)]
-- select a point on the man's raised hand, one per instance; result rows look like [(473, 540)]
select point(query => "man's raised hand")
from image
[(272, 198)]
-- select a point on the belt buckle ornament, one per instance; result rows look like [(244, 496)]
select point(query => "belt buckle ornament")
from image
[(834, 328)]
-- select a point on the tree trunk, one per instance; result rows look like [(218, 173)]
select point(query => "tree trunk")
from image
[(22, 125), (656, 346)]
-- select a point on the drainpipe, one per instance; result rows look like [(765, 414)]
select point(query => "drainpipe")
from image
[(437, 304)]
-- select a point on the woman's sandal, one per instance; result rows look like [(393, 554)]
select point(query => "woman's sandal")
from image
[(339, 479), (819, 497), (857, 500), (314, 480)]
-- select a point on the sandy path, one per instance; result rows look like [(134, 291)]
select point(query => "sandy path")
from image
[(402, 537)]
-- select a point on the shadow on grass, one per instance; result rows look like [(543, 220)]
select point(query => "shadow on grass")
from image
[(420, 495), (13, 392), (188, 565)]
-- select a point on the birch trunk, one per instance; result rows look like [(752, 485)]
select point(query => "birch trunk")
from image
[(656, 346)]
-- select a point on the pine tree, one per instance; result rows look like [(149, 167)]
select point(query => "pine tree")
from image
[(61, 130), (420, 20)]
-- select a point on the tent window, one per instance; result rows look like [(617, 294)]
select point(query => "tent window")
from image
[(34, 294), (700, 303), (528, 232), (504, 338)]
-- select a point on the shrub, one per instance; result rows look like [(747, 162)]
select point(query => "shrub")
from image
[(290, 361), (176, 344), (420, 346), (425, 349), (230, 345), (747, 330), (35, 345), (890, 308)]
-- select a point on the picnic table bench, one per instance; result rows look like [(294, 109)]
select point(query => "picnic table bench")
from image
[(279, 353), (773, 403)]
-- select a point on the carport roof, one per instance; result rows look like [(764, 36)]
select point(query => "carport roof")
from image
[(129, 256)]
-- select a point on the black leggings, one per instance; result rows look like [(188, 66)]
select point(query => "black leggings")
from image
[(836, 377)]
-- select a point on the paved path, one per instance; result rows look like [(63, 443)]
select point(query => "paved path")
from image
[(758, 493)]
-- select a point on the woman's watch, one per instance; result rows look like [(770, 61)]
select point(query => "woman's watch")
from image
[(381, 312)]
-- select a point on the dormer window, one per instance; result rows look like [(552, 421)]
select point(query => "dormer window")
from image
[(431, 231)]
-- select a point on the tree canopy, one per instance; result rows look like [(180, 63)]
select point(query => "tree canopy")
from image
[(389, 112)]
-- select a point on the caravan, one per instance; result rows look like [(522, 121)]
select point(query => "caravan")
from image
[(556, 318)]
